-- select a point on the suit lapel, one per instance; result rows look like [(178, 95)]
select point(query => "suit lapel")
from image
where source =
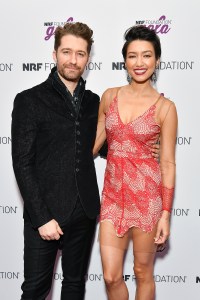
[(52, 98), (56, 99)]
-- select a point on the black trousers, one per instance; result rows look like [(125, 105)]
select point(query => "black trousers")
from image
[(40, 256)]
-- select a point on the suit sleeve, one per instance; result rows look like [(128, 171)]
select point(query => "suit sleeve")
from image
[(103, 150), (24, 131)]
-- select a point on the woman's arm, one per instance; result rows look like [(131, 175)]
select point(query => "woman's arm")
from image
[(101, 132), (169, 123)]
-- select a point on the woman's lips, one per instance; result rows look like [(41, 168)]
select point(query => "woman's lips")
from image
[(139, 71)]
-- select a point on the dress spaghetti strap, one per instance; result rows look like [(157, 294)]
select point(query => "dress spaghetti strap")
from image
[(113, 100), (119, 88), (171, 102), (161, 104)]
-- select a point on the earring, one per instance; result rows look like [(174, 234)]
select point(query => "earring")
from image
[(154, 76), (129, 78)]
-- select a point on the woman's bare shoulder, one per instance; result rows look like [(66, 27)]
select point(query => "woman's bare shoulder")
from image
[(108, 96), (168, 107), (110, 92), (167, 102)]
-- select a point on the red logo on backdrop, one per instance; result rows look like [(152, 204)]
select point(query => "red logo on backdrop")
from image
[(51, 27)]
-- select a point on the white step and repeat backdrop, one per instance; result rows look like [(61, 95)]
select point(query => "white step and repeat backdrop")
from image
[(27, 29)]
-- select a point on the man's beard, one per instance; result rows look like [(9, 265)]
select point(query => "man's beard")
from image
[(70, 75)]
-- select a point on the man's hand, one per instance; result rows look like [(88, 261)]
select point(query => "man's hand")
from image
[(155, 151), (50, 231)]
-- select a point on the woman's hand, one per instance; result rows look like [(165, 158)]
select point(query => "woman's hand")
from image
[(163, 229), (155, 151)]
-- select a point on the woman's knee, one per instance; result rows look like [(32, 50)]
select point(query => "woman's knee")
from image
[(143, 271), (112, 279)]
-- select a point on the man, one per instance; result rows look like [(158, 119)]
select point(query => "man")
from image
[(53, 133)]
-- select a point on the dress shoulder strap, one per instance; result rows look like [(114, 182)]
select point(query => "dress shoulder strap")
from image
[(162, 100), (117, 92), (170, 104), (166, 109), (112, 99), (159, 97)]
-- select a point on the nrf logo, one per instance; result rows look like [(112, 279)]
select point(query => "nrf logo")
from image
[(37, 66), (180, 212), (182, 140), (159, 26), (5, 140), (31, 67), (128, 277), (51, 27), (8, 209), (170, 278), (9, 275), (176, 65), (197, 279), (6, 67), (118, 66), (91, 66)]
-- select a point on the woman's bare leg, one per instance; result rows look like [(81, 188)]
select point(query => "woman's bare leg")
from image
[(112, 256), (144, 255)]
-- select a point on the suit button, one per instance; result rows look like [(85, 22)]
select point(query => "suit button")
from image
[(77, 170), (77, 160), (77, 123), (78, 142), (71, 115), (78, 132)]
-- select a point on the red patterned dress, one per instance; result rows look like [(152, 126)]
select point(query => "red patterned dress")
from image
[(132, 185)]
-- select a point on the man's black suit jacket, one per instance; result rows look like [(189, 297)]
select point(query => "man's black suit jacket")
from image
[(52, 153)]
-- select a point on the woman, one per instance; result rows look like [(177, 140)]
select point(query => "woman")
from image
[(138, 190)]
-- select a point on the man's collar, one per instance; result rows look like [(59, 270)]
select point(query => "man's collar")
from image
[(80, 87)]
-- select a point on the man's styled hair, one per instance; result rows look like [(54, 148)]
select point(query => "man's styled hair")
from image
[(77, 29)]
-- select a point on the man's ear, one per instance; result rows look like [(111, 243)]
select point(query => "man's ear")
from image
[(89, 59), (54, 56)]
